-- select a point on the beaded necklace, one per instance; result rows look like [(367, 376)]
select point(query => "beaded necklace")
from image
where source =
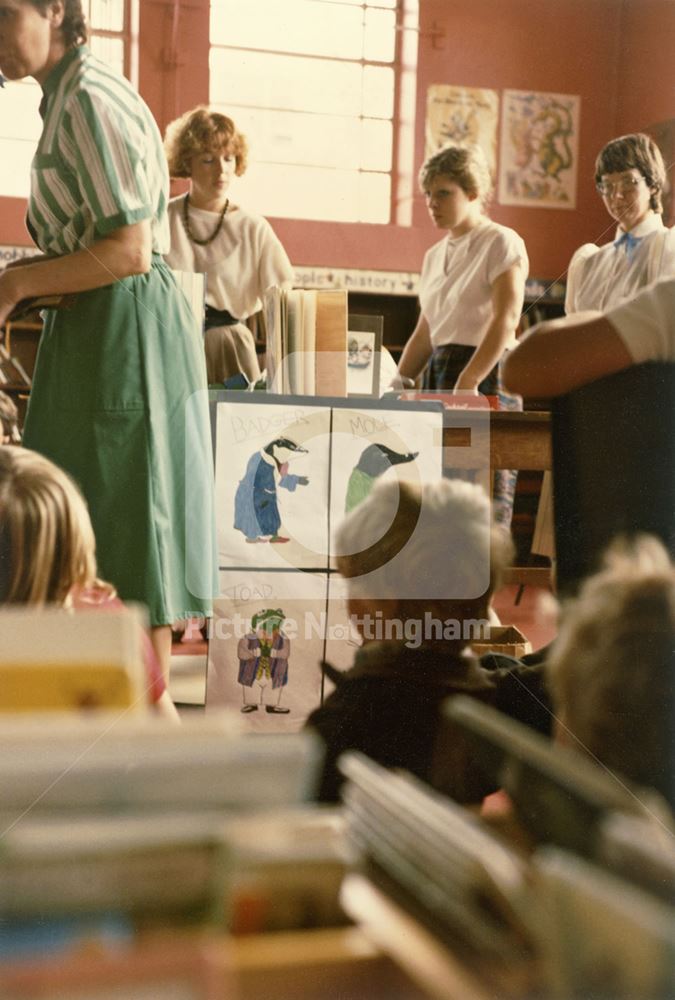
[(186, 223)]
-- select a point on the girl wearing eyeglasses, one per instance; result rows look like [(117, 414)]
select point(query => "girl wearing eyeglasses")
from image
[(630, 177)]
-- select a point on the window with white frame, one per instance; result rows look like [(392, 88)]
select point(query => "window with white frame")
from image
[(110, 30), (316, 87)]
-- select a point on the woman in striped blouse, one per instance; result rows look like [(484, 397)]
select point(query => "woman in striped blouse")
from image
[(115, 398)]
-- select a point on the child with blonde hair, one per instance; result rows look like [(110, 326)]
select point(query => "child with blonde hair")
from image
[(48, 551), (612, 665), (9, 420)]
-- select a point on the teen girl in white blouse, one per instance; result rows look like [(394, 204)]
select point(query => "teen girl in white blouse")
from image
[(473, 281), (471, 291), (630, 177)]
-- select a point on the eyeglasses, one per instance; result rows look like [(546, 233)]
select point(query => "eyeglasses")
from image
[(625, 185)]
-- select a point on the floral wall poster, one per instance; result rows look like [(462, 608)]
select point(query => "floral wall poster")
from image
[(461, 116), (538, 151)]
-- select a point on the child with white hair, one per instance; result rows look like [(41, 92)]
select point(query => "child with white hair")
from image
[(419, 593)]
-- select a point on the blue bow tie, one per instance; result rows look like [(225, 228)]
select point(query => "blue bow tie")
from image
[(628, 242)]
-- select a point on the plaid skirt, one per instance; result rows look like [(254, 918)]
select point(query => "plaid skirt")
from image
[(445, 366)]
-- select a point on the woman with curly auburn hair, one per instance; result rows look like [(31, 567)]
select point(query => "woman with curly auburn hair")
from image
[(238, 251)]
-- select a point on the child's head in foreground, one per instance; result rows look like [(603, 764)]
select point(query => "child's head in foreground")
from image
[(411, 551), (47, 543), (9, 420), (613, 664)]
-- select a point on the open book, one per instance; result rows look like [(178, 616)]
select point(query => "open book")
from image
[(306, 341)]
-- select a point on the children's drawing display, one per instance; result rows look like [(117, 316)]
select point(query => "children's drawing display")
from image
[(272, 467), (266, 647), (288, 470)]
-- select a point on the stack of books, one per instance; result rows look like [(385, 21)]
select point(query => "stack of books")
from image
[(435, 860), (115, 833), (54, 661)]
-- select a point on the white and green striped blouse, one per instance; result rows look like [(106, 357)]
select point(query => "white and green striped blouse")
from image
[(99, 163)]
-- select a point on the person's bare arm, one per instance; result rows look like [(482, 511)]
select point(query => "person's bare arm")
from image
[(508, 290), (125, 251), (561, 354), (417, 350)]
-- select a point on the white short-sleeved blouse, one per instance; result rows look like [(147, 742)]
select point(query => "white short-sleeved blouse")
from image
[(603, 277), (241, 263), (455, 290), (646, 324)]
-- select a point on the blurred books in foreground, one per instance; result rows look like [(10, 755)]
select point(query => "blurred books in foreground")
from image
[(116, 827), (52, 660), (579, 904)]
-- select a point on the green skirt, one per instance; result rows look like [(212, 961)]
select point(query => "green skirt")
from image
[(119, 401)]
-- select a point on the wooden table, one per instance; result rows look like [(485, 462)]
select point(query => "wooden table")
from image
[(514, 440), (438, 971), (500, 439), (322, 964)]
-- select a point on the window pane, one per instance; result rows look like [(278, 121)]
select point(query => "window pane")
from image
[(20, 118), (15, 167), (374, 198), (314, 140), (107, 15), (359, 3), (292, 83), (326, 29), (320, 129), (376, 144), (313, 193), (110, 50), (378, 92), (380, 35)]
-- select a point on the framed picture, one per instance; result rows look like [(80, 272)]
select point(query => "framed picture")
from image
[(538, 154), (364, 351), (461, 116)]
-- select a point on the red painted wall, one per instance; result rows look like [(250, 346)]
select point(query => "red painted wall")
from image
[(565, 46), (561, 46), (646, 86), (173, 56)]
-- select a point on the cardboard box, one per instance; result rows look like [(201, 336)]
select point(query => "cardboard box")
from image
[(503, 639)]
